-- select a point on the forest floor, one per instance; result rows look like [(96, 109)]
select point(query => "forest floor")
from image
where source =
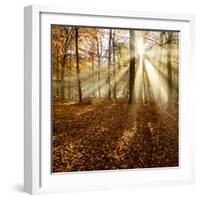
[(113, 135)]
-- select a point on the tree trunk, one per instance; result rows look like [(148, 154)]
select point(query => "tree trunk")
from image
[(143, 93), (109, 63), (160, 64), (62, 77), (57, 74), (98, 67), (93, 75), (63, 66), (77, 67), (169, 72), (70, 73), (114, 68), (131, 99)]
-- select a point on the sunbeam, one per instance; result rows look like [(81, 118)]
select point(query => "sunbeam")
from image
[(88, 90), (157, 82)]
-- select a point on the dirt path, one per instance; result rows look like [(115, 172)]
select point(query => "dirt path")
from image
[(113, 135)]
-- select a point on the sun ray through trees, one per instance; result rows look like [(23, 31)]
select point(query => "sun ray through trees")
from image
[(115, 98)]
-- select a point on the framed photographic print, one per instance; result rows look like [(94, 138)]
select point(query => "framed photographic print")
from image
[(107, 99)]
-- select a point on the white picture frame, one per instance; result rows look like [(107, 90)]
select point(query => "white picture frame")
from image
[(37, 138)]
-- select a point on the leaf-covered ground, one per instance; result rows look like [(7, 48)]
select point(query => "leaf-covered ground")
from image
[(113, 135)]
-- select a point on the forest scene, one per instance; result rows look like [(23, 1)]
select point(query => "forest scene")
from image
[(114, 97)]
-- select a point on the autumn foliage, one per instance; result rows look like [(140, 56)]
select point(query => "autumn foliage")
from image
[(115, 98)]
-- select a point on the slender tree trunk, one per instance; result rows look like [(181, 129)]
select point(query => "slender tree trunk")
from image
[(169, 72), (70, 73), (127, 85), (177, 72), (114, 68), (62, 77), (142, 81), (93, 75), (160, 64), (98, 67), (57, 74), (146, 94), (142, 94), (77, 67), (109, 63), (131, 99), (63, 66)]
